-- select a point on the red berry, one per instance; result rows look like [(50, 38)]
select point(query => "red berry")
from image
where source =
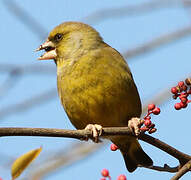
[(147, 122), (113, 147), (184, 88), (144, 128), (177, 106), (151, 107), (122, 177), (183, 105), (156, 111), (102, 179), (184, 100), (183, 94), (148, 117), (174, 90), (181, 84), (105, 173)]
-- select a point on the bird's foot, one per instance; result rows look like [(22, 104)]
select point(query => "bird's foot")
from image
[(134, 124), (96, 130)]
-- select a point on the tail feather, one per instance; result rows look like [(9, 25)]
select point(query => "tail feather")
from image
[(132, 153), (142, 158), (131, 165)]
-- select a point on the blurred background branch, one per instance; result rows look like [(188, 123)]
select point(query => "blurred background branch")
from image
[(63, 158), (158, 42), (13, 77), (133, 10), (24, 17), (27, 69), (29, 103)]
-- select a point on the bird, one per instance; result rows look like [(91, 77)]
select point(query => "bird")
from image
[(96, 86)]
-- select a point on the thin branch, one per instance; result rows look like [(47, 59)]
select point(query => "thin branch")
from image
[(51, 132), (84, 134), (62, 158), (158, 42), (28, 103), (182, 171), (131, 10), (165, 168), (182, 157), (30, 22), (12, 79), (28, 69)]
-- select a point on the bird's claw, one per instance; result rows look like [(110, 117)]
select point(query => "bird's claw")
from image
[(134, 124), (96, 130)]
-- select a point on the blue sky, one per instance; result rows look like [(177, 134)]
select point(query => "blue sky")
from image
[(152, 72)]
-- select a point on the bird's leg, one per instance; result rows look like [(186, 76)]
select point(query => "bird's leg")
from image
[(96, 130), (134, 124)]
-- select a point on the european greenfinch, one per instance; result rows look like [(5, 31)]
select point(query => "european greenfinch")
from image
[(95, 86)]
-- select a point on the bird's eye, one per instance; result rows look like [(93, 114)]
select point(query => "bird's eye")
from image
[(58, 37)]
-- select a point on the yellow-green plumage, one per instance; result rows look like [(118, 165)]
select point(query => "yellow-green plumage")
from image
[(95, 90), (96, 86)]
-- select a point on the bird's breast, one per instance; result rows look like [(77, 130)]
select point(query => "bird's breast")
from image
[(93, 93)]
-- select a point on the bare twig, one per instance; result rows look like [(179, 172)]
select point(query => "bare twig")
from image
[(10, 82), (51, 132), (182, 157), (62, 158), (28, 69), (165, 168), (83, 134), (158, 42), (28, 103), (182, 171), (30, 22), (131, 10)]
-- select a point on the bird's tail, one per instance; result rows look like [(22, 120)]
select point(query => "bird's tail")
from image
[(132, 152)]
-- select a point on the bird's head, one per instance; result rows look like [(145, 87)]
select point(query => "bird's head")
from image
[(69, 40)]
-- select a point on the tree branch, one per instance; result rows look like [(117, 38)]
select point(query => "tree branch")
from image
[(158, 42), (28, 103), (27, 69), (182, 171), (13, 77), (83, 134), (165, 168), (29, 21), (64, 157), (132, 10), (183, 158)]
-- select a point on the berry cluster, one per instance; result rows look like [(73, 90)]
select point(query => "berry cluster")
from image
[(182, 91), (148, 125), (105, 174)]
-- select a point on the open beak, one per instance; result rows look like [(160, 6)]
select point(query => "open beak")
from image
[(50, 53)]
